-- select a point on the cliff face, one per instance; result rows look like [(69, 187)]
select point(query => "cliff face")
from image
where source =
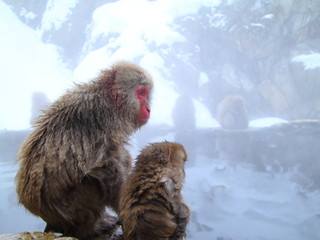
[(266, 51)]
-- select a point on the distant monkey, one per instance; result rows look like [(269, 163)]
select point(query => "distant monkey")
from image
[(151, 205), (183, 114), (184, 120), (74, 162), (232, 113)]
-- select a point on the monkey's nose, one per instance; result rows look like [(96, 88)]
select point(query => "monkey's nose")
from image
[(148, 110)]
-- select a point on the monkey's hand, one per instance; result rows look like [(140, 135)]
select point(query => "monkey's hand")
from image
[(182, 218), (106, 224)]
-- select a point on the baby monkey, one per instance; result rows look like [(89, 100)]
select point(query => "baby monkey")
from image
[(151, 204)]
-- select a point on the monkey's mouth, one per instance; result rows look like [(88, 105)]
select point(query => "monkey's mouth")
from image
[(143, 120)]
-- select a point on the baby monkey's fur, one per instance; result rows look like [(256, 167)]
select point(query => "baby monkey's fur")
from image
[(151, 205)]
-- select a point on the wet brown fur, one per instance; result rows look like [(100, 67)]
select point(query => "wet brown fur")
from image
[(151, 205), (232, 113), (74, 162)]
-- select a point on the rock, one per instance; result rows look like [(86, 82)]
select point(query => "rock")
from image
[(33, 236), (280, 148), (117, 235)]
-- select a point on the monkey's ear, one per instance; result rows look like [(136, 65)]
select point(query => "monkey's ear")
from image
[(181, 154), (168, 185)]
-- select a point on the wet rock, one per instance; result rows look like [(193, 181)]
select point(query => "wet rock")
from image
[(117, 235), (33, 236)]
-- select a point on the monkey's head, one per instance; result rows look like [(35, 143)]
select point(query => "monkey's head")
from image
[(129, 89), (235, 101), (168, 154), (238, 100)]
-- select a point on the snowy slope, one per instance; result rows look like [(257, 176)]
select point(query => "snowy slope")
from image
[(40, 67), (56, 13), (27, 65), (135, 25)]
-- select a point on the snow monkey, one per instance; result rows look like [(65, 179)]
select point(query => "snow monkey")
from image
[(74, 162), (232, 113), (151, 205)]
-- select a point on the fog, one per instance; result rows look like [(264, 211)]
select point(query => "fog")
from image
[(259, 183)]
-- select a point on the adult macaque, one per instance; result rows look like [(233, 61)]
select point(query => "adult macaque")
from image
[(74, 162), (232, 113), (151, 205)]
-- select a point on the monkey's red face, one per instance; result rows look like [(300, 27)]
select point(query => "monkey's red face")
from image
[(142, 94)]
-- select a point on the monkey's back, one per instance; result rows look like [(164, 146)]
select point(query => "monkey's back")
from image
[(145, 205), (55, 156), (232, 113), (74, 162)]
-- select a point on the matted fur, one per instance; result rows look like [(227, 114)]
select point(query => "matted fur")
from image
[(151, 205), (74, 162)]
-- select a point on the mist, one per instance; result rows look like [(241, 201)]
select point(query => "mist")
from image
[(262, 182)]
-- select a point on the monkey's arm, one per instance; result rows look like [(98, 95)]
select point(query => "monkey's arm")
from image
[(155, 224), (182, 218), (109, 176), (181, 210), (228, 119)]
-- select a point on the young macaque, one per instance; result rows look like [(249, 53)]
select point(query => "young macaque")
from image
[(232, 113), (151, 205), (74, 162)]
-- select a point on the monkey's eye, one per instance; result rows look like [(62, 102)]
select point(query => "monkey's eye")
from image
[(141, 91)]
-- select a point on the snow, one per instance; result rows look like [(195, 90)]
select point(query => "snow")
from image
[(134, 23), (27, 15), (203, 116), (203, 79), (309, 61), (164, 95), (130, 28), (22, 220), (56, 13), (266, 122), (238, 203), (41, 69), (217, 20), (257, 25), (28, 66), (268, 16)]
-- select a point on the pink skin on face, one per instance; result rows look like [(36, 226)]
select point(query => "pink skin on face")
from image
[(142, 95)]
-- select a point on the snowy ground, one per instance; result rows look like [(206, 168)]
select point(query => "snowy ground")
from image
[(309, 61), (236, 201), (227, 202), (239, 203)]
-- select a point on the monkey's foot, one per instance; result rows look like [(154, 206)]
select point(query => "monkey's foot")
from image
[(105, 227), (107, 224), (50, 228)]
